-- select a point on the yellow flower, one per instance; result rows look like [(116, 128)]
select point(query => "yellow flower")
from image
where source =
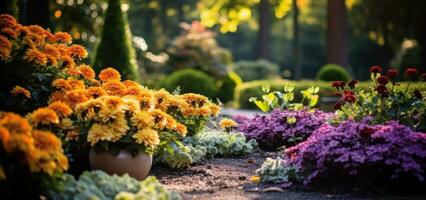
[(214, 109), (15, 123), (2, 174), (227, 123), (18, 90), (52, 53), (62, 109), (66, 123), (95, 92), (89, 109), (109, 74), (77, 51), (161, 95), (87, 72), (43, 116), (36, 56), (72, 135), (202, 111), (196, 100), (120, 127), (132, 103), (99, 132), (255, 179), (142, 119), (148, 137), (160, 119), (181, 129), (46, 141), (114, 87)]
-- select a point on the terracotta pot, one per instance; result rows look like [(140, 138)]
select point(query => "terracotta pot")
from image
[(137, 167)]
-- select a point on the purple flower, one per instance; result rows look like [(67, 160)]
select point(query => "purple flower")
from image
[(278, 129), (390, 150)]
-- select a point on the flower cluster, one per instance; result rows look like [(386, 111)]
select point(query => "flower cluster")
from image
[(352, 148), (283, 128), (227, 124), (41, 151), (387, 99), (30, 58)]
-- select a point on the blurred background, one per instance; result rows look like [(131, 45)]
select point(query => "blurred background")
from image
[(231, 47)]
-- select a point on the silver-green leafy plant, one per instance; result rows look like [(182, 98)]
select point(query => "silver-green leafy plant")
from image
[(285, 100), (150, 189), (274, 171)]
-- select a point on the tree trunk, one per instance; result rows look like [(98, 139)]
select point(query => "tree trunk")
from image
[(37, 13), (264, 46), (337, 35), (297, 70)]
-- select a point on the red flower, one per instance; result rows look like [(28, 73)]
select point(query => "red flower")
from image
[(393, 73), (348, 92), (352, 83), (337, 94), (424, 76), (366, 132), (375, 69), (338, 106), (338, 84), (382, 90), (418, 94), (349, 98), (411, 72), (383, 80)]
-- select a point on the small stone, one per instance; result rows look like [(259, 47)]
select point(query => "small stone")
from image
[(273, 189), (209, 167), (242, 178), (251, 161)]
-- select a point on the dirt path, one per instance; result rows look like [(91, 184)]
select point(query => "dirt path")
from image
[(229, 178)]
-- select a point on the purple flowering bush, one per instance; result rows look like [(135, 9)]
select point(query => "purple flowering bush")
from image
[(356, 149), (283, 127)]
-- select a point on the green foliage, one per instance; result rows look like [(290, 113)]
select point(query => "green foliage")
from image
[(284, 100), (180, 155), (150, 189), (227, 87), (274, 171), (256, 70), (115, 48), (191, 81), (333, 72)]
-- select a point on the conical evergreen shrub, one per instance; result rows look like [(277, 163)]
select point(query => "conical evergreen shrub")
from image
[(115, 48)]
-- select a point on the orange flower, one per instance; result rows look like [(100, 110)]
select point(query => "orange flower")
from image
[(19, 142), (4, 135), (52, 53), (43, 116), (114, 87), (227, 123), (68, 62), (74, 97), (129, 83), (112, 102), (61, 108), (61, 84), (214, 109), (73, 71), (38, 30), (18, 90), (15, 123), (5, 48), (7, 21), (61, 37), (195, 99), (46, 141), (10, 32), (109, 74), (95, 92), (87, 72), (72, 135), (36, 56), (2, 174), (181, 129), (75, 83), (77, 51), (57, 96)]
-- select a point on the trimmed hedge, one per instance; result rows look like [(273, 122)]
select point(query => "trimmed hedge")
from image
[(191, 81), (244, 91), (256, 70), (333, 72)]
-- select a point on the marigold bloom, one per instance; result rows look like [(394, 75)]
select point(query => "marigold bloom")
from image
[(109, 74), (19, 143), (4, 135), (114, 87), (7, 21), (95, 92), (77, 51), (46, 141), (52, 53), (62, 109), (57, 96), (2, 174), (214, 109), (130, 83), (18, 90), (197, 100), (87, 72), (74, 97), (68, 62), (61, 37), (61, 84), (181, 129), (148, 137), (99, 132), (43, 116), (75, 83), (15, 123), (36, 56), (227, 123), (10, 32), (5, 48)]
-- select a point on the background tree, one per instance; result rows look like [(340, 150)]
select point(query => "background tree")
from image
[(9, 7), (337, 33), (115, 48)]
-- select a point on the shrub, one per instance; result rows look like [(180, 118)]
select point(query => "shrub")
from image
[(355, 150), (115, 48), (256, 70), (227, 87), (283, 128), (191, 81), (333, 72)]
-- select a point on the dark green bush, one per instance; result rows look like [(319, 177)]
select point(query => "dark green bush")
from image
[(226, 89), (191, 81), (333, 72), (256, 70), (115, 48)]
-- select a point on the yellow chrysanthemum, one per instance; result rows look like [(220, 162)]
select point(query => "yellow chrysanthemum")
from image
[(227, 123), (15, 123), (196, 100), (114, 87), (46, 141), (120, 127), (109, 74), (18, 90), (66, 124), (99, 132), (181, 129), (142, 119), (88, 110), (72, 135), (95, 92), (77, 51), (43, 116), (62, 109), (148, 137), (161, 95), (36, 56), (132, 103), (87, 72), (160, 119), (2, 174), (214, 109)]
